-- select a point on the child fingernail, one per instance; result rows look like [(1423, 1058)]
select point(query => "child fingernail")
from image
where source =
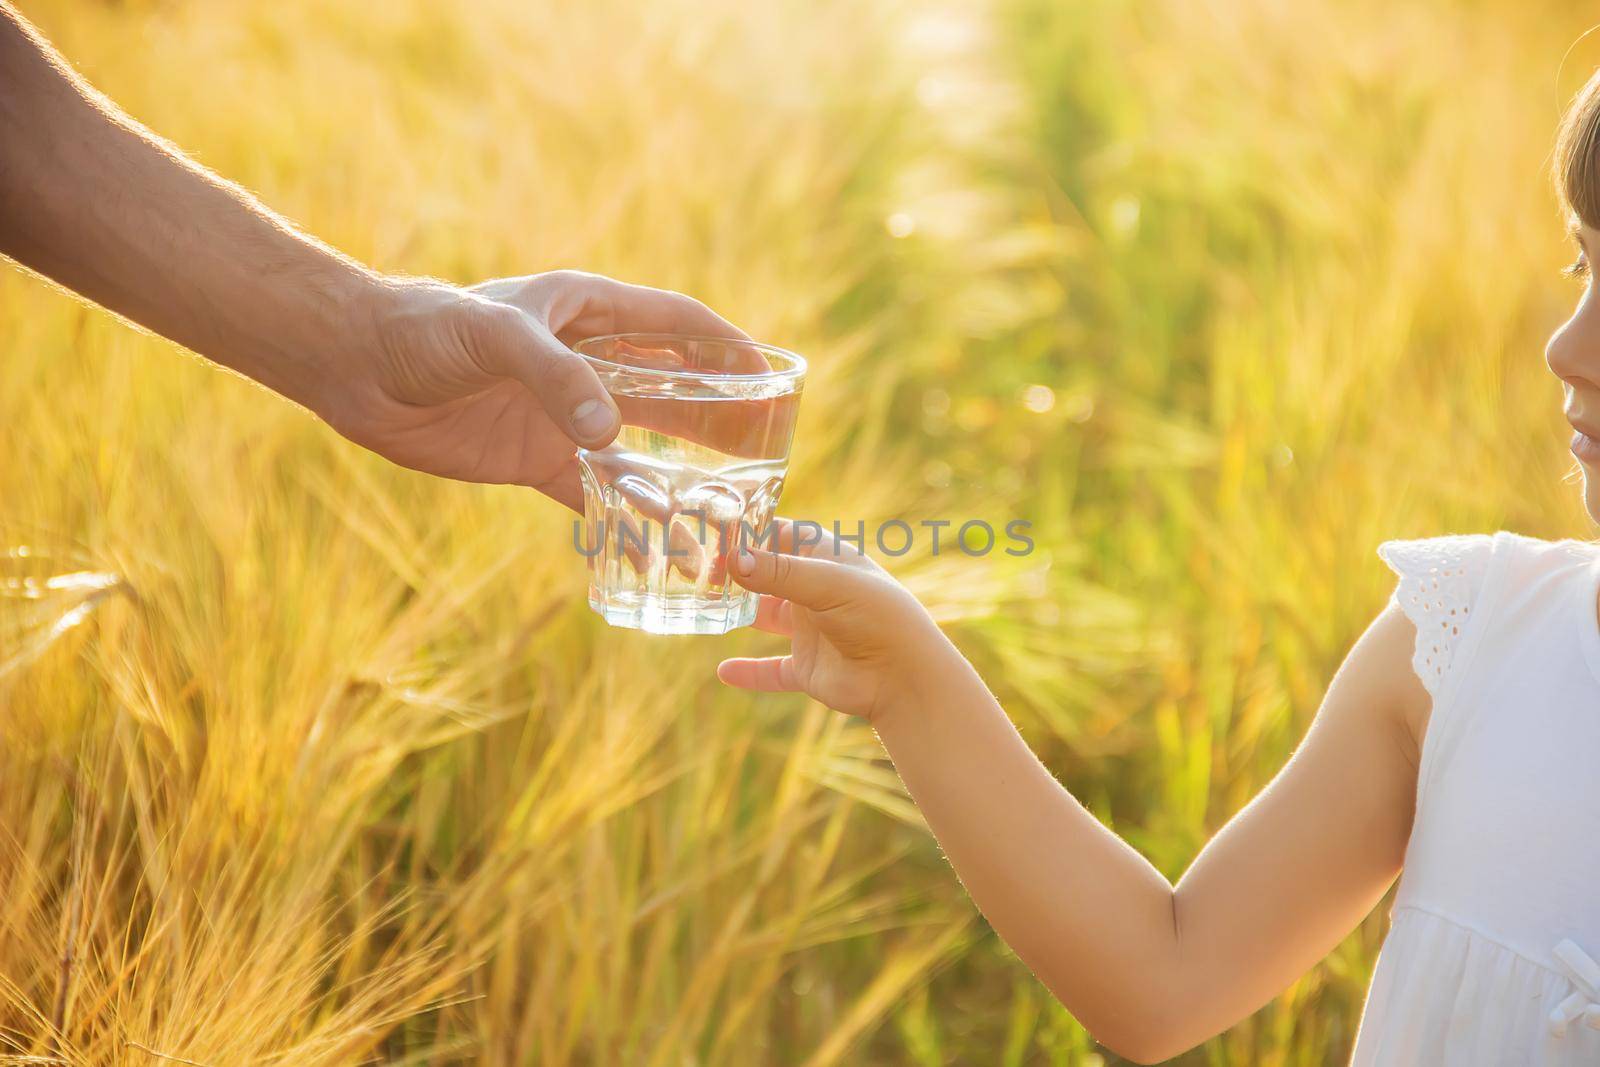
[(744, 562)]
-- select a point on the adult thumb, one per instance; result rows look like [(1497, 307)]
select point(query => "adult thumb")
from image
[(518, 346)]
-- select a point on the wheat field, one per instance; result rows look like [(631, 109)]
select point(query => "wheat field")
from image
[(309, 760)]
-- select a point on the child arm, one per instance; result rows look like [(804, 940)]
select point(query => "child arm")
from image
[(1150, 969)]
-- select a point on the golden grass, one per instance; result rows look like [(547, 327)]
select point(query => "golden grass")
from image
[(337, 767)]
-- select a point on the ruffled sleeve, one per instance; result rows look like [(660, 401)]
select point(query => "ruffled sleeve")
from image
[(1441, 579)]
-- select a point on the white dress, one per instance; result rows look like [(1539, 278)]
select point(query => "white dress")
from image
[(1493, 954)]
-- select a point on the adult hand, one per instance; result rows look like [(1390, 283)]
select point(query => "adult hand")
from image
[(479, 384)]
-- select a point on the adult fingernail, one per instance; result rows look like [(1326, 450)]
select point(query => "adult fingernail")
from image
[(592, 418), (744, 562)]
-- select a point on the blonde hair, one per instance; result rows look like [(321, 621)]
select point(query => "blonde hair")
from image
[(1577, 158)]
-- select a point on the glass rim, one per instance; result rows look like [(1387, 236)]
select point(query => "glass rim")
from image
[(794, 371)]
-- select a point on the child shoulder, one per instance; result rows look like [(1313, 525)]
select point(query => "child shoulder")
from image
[(1441, 581), (1435, 560), (1567, 551), (1446, 585), (1439, 556), (1440, 577)]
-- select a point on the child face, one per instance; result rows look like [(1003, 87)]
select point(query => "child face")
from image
[(1574, 356)]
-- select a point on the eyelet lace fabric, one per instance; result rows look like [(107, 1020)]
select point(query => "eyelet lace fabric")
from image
[(1439, 582)]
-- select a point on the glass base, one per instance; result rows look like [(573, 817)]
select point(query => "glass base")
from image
[(679, 614)]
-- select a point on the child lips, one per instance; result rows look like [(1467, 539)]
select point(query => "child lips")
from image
[(1586, 448)]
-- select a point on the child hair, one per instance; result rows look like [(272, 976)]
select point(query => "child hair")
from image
[(1577, 156)]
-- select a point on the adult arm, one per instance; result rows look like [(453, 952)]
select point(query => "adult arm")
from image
[(435, 377)]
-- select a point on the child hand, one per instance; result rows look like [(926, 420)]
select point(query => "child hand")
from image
[(861, 641)]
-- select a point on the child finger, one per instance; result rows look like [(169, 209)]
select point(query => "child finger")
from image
[(801, 537), (798, 538), (772, 674), (775, 615), (812, 583)]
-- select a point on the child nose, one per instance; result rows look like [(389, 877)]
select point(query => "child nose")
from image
[(1573, 353)]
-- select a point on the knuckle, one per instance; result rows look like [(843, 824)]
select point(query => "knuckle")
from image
[(477, 319), (503, 289), (563, 371), (567, 280), (497, 332), (458, 311), (503, 319), (691, 309)]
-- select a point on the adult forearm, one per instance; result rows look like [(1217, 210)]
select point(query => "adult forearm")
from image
[(94, 201), (1090, 916)]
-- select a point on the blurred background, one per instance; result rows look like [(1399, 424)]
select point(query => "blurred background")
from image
[(310, 760)]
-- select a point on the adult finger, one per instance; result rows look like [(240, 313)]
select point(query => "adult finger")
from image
[(772, 674), (564, 488), (642, 309)]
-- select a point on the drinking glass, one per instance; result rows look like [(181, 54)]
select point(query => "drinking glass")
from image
[(696, 469)]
